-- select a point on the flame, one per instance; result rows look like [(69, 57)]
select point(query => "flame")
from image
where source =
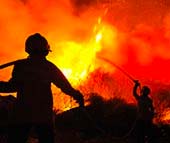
[(133, 34), (166, 116), (98, 37), (79, 59)]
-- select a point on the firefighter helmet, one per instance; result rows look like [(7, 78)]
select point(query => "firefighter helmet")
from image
[(37, 44), (146, 90)]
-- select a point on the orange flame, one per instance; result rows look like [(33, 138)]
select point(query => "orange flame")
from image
[(166, 116), (135, 35), (79, 59)]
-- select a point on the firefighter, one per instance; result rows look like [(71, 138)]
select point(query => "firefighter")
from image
[(31, 79), (145, 114)]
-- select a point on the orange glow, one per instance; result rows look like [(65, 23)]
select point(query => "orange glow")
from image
[(166, 116), (133, 34), (79, 59)]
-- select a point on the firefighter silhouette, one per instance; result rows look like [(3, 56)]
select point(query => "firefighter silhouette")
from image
[(31, 79), (144, 124)]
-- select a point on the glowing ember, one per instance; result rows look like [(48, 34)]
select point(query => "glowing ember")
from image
[(166, 115)]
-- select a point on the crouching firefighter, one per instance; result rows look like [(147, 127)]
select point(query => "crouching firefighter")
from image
[(145, 115), (32, 79)]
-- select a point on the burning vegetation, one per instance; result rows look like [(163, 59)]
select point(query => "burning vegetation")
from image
[(135, 35)]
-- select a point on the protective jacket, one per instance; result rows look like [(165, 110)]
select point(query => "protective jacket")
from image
[(31, 79)]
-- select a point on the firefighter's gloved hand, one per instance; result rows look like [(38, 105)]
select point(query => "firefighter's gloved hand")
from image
[(137, 83), (79, 98)]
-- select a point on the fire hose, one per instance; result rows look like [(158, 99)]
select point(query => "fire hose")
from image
[(104, 132), (118, 67), (83, 108), (102, 58), (133, 80)]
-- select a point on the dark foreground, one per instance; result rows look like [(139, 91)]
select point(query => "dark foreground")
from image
[(101, 122)]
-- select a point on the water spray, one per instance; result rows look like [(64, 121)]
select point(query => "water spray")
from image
[(118, 67), (122, 70)]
